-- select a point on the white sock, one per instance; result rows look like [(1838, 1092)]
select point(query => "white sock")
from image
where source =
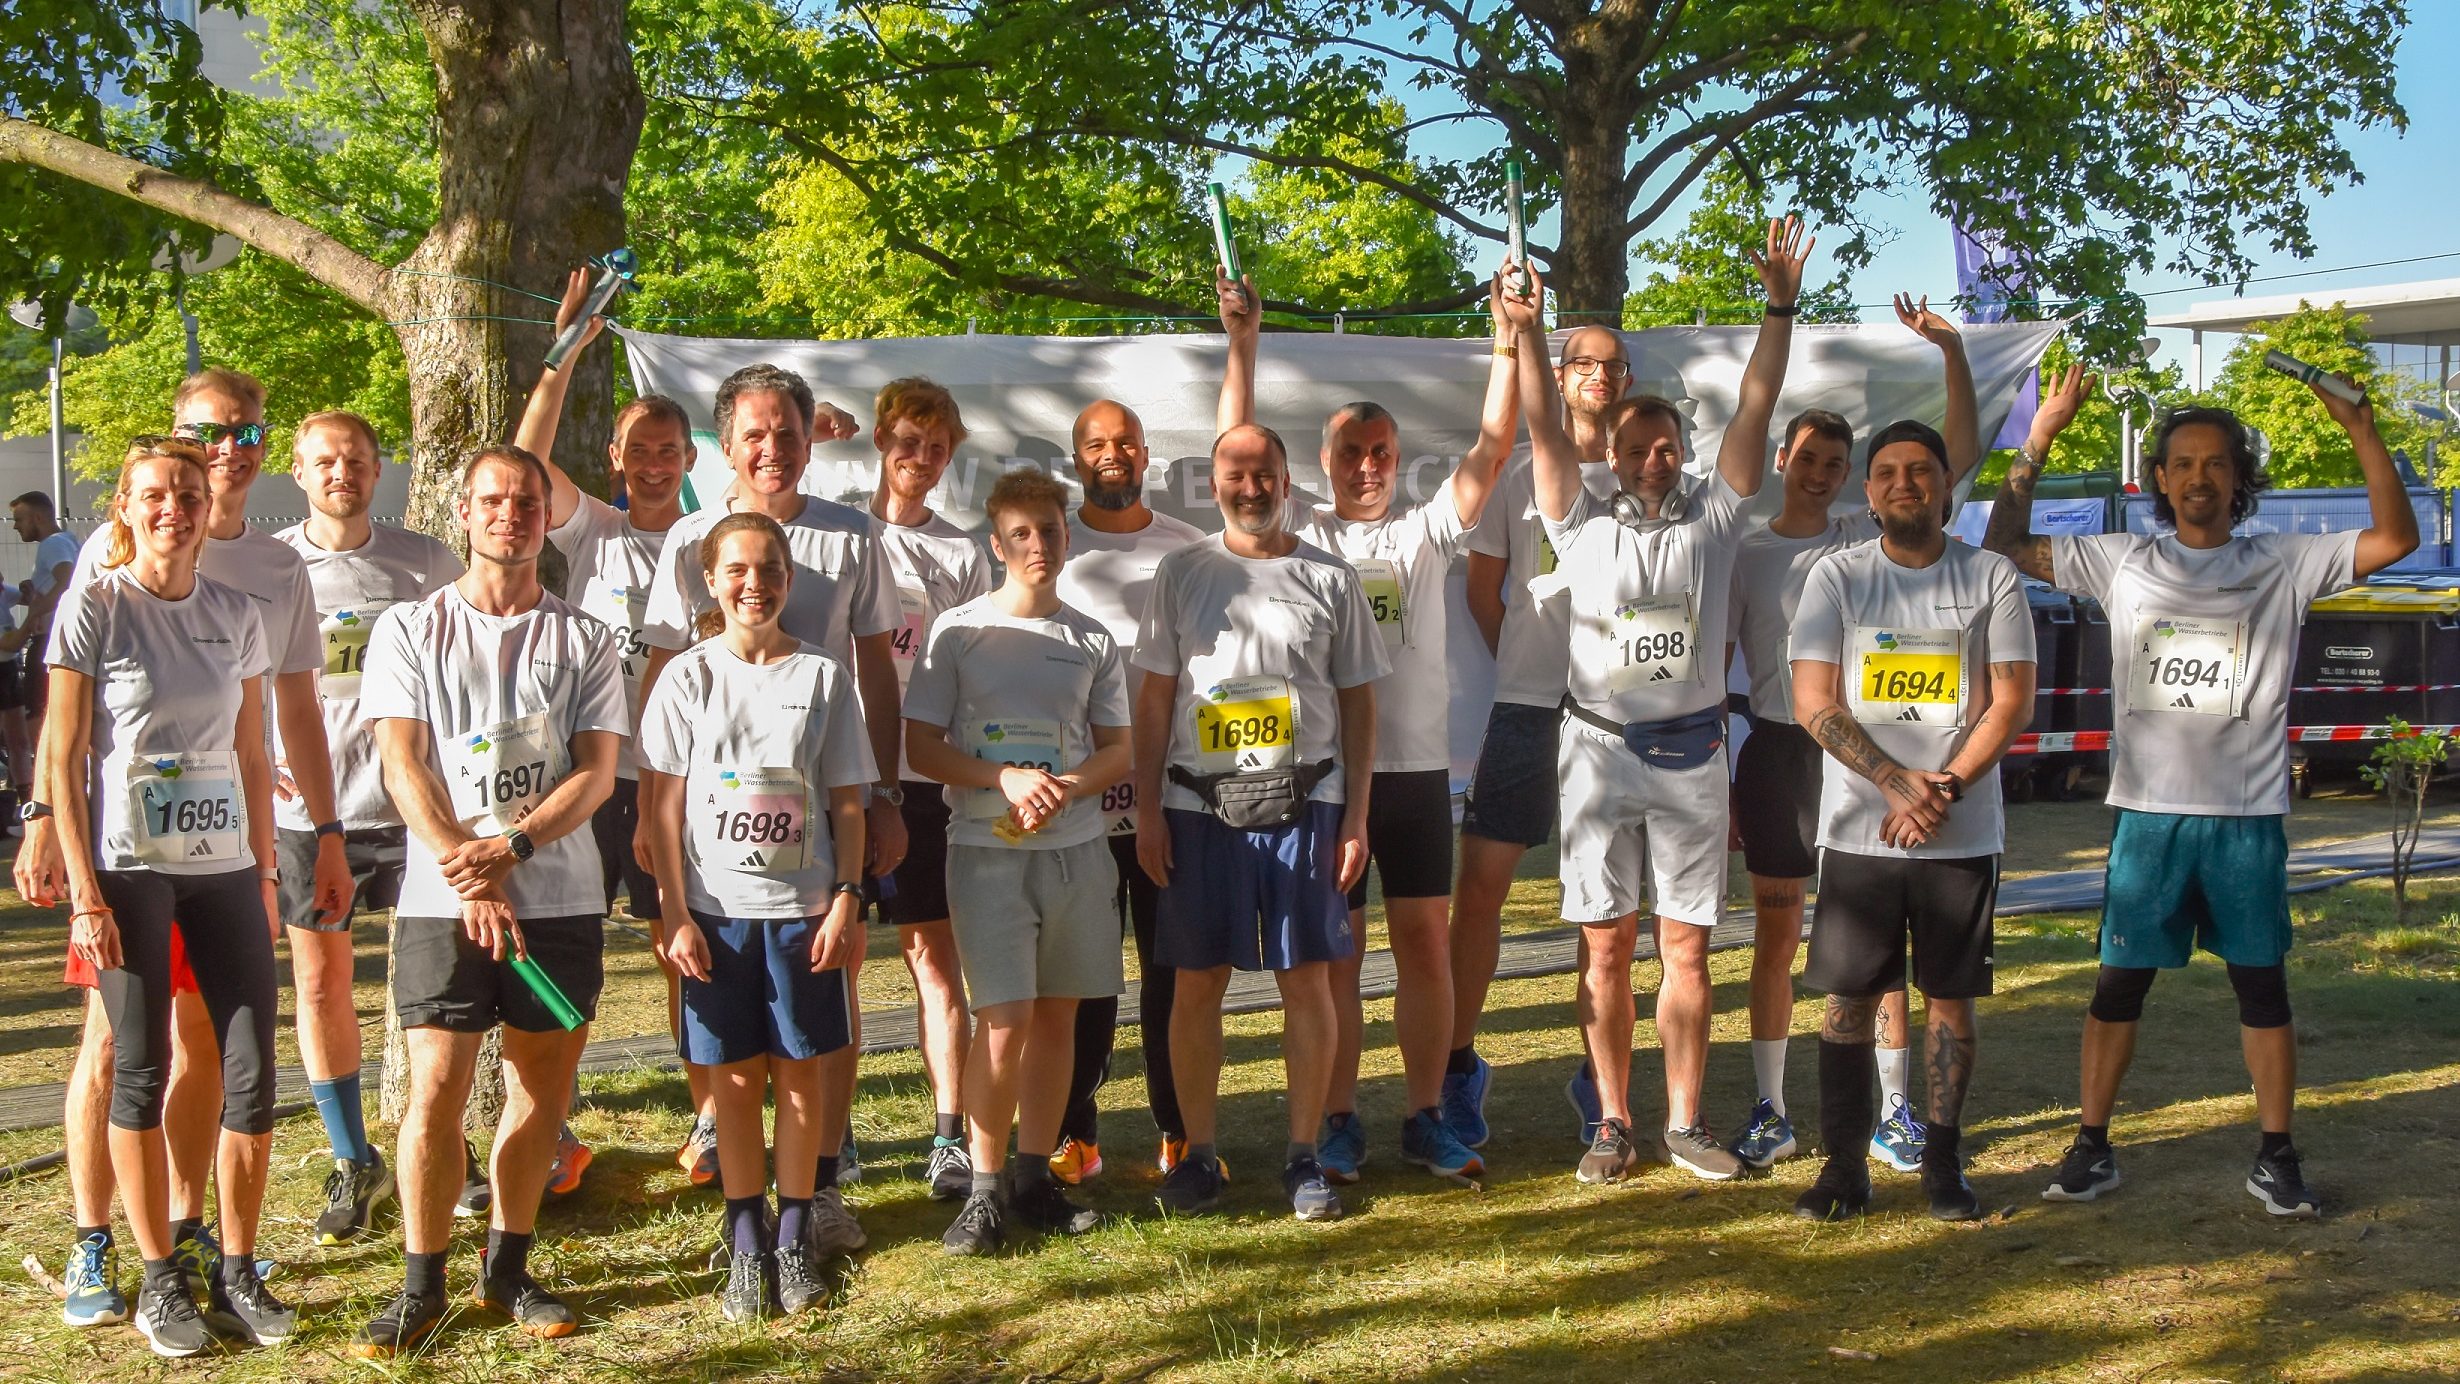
[(1768, 1063), (1895, 1071)]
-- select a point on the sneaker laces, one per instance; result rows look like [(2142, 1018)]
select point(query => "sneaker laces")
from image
[(173, 1306), (342, 1185), (1610, 1132), (247, 1290), (979, 1214), (85, 1262)]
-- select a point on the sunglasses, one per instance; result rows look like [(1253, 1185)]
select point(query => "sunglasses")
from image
[(243, 434)]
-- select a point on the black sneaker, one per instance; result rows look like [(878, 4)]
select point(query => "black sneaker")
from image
[(477, 1194), (406, 1321), (1943, 1178), (2280, 1185), (1840, 1192), (1044, 1207), (2088, 1170), (353, 1191), (950, 1171), (746, 1298), (532, 1308), (1611, 1156), (171, 1323), (1191, 1187), (242, 1307), (799, 1285), (980, 1227)]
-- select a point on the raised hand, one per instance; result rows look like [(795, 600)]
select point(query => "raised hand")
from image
[(1922, 322), (577, 285), (2059, 406), (1521, 311), (1241, 315), (1780, 266), (2351, 417)]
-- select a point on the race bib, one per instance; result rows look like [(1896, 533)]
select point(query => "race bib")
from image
[(755, 820), (1543, 546), (1246, 723), (498, 773), (1380, 579), (345, 634), (907, 643), (625, 610), (1648, 641), (2189, 665), (1905, 675), (1119, 808), (1025, 744), (185, 808)]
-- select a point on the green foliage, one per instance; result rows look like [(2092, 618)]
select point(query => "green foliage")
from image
[(1704, 274), (2308, 448), (2402, 768)]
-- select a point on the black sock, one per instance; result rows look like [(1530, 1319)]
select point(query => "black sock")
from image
[(423, 1274), (826, 1177), (1939, 1147), (2273, 1143), (1030, 1169), (162, 1275), (235, 1268), (1847, 1107), (2096, 1135), (747, 1223), (88, 1232), (186, 1228), (1202, 1153), (508, 1255), (949, 1126), (793, 1219), (1463, 1061)]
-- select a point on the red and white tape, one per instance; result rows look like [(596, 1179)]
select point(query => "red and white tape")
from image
[(2085, 741), (2386, 687)]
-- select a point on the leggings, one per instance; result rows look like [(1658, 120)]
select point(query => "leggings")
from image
[(1097, 1020), (222, 919)]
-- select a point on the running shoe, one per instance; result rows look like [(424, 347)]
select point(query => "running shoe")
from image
[(950, 1171), (477, 1193), (1766, 1138), (243, 1307), (571, 1160), (1077, 1162), (1311, 1195), (1581, 1091), (92, 1282), (1951, 1197), (1192, 1186), (2280, 1184), (746, 1295), (1464, 1103), (1899, 1139), (1428, 1141), (1044, 1207), (831, 1228), (1840, 1192), (1610, 1157), (799, 1284), (1697, 1151), (980, 1227), (407, 1320), (519, 1296), (1342, 1148), (849, 1161), (170, 1322), (2088, 1170), (1174, 1152), (353, 1191), (699, 1157), (199, 1256)]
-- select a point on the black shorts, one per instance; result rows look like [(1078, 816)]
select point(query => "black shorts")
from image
[(1871, 905), (442, 979), (1513, 797), (1409, 835), (11, 698), (921, 895), (33, 677), (376, 856), (1776, 800), (612, 826)]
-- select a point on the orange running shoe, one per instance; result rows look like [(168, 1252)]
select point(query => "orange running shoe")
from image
[(1174, 1149), (699, 1156), (571, 1160), (1076, 1162)]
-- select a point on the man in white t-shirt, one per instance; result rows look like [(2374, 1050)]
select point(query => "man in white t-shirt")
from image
[(1403, 555), (1644, 794), (1777, 773), (356, 570), (498, 709), (1913, 668), (938, 567), (2204, 639), (1115, 542), (1257, 706), (37, 521)]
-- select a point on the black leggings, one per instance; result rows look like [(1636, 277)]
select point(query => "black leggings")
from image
[(1097, 1020), (222, 919)]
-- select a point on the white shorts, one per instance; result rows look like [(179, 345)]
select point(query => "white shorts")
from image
[(1035, 924), (1633, 832)]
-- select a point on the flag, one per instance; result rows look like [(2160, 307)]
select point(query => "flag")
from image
[(1989, 276)]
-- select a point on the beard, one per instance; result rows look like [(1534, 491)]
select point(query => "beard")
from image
[(1910, 530), (1125, 495), (1256, 521)]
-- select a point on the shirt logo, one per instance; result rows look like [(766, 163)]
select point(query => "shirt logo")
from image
[(2163, 629), (726, 778), (1885, 641), (1911, 713), (2185, 699), (168, 768), (345, 617), (993, 733), (479, 743)]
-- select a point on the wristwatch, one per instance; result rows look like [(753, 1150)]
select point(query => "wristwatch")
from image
[(328, 828), (32, 811), (843, 887), (519, 840), (893, 795)]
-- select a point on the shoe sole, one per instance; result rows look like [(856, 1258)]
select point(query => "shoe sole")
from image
[(1957, 1213), (1911, 1165), (1705, 1174), (103, 1318), (154, 1343), (1201, 1208), (1316, 1215), (572, 1184), (549, 1331), (377, 1350), (1340, 1177), (1472, 1168), (1844, 1211), (1778, 1155), (970, 1251), (1604, 1179), (2299, 1211), (2055, 1192)]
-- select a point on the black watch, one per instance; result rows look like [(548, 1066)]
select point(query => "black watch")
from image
[(32, 811), (329, 829), (1955, 788), (519, 840), (844, 888)]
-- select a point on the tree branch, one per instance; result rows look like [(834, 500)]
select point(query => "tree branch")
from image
[(295, 243)]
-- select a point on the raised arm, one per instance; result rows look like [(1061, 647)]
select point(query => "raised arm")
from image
[(1554, 471), (1241, 320), (2010, 534), (544, 415), (1742, 456), (1963, 431), (1473, 481), (2391, 530)]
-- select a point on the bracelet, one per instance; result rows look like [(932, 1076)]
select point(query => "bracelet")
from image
[(1781, 309), (76, 913), (270, 876), (1507, 350), (329, 829)]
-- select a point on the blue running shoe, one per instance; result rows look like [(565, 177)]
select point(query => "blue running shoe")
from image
[(1464, 1103), (1427, 1140), (1766, 1138), (1342, 1147), (1581, 1091), (92, 1281), (1899, 1140)]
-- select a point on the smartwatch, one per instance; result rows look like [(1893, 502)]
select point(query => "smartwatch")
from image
[(328, 828), (519, 840), (844, 888), (893, 795)]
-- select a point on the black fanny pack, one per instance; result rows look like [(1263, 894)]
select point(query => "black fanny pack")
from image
[(1255, 799), (1684, 742)]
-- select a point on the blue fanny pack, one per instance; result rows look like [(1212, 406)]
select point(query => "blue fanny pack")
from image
[(1684, 742)]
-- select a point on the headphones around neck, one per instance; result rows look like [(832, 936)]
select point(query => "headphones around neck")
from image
[(1631, 513)]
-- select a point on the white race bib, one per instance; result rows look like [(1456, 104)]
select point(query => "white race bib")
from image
[(1119, 808), (1380, 579), (625, 610), (2182, 664), (185, 808), (755, 820), (906, 643), (498, 773), (1246, 723), (345, 636), (1910, 676), (1025, 744), (1648, 641)]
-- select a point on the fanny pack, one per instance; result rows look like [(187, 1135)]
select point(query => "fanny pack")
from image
[(1255, 799), (1684, 742)]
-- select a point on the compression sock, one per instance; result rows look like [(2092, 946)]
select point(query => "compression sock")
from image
[(1768, 1064), (337, 1104), (1895, 1078)]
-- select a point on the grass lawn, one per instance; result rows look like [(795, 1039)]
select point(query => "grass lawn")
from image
[(2178, 1276)]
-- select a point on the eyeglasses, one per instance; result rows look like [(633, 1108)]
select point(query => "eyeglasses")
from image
[(1590, 365), (241, 434)]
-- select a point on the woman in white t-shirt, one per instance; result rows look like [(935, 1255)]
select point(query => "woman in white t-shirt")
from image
[(156, 750), (746, 735)]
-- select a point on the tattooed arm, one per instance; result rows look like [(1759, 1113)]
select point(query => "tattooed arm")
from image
[(1917, 798), (2010, 534)]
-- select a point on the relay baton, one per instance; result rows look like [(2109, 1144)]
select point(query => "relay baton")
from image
[(1516, 242), (1222, 243), (614, 272), (548, 992), (2315, 375)]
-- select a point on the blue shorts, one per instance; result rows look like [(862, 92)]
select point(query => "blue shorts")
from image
[(1256, 900), (762, 998), (1515, 792), (2177, 883)]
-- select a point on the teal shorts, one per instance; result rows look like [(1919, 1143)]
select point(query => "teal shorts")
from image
[(2177, 883)]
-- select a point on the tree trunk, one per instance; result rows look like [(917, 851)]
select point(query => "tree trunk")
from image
[(1591, 270)]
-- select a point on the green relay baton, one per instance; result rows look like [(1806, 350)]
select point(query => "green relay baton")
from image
[(548, 992), (1222, 242), (1516, 231)]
